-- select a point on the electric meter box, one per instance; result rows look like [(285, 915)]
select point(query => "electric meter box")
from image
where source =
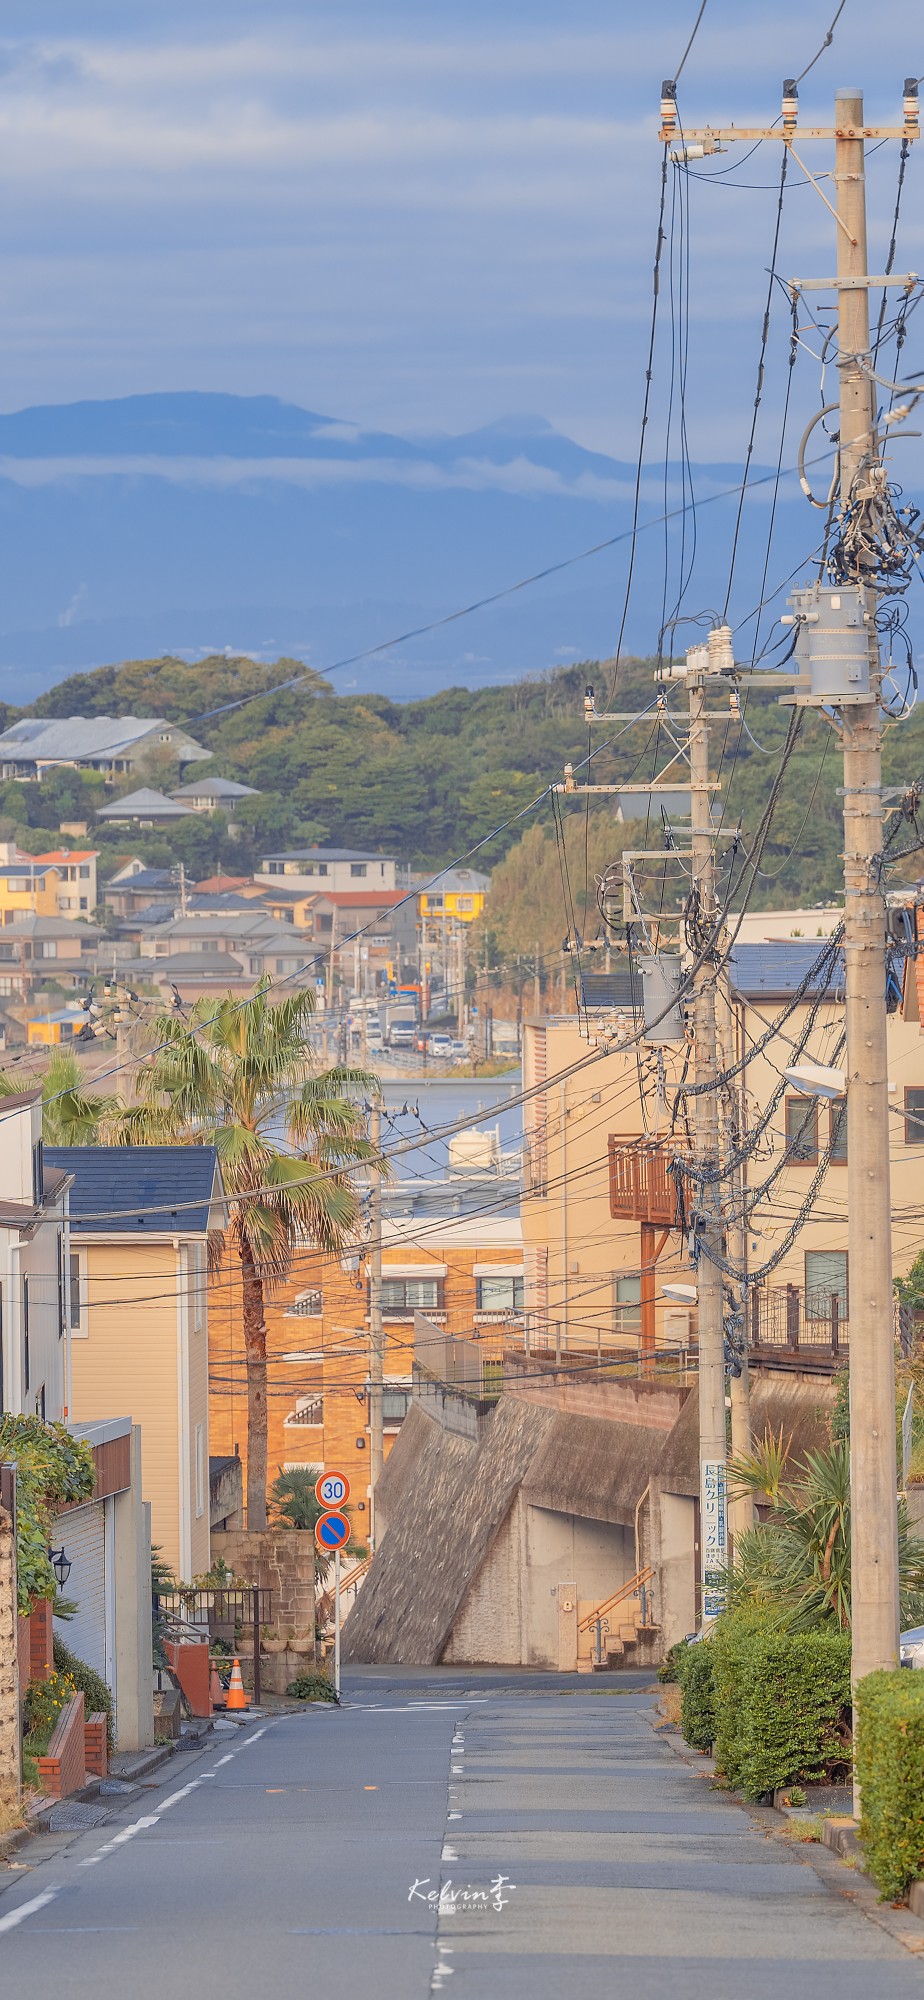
[(661, 982), (832, 643)]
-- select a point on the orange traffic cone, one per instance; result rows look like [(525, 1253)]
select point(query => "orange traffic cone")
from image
[(216, 1691), (236, 1697)]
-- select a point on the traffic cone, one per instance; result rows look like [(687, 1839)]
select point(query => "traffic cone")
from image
[(236, 1697), (216, 1691)]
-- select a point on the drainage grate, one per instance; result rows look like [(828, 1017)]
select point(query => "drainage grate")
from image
[(71, 1815)]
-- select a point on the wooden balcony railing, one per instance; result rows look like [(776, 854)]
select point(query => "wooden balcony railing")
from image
[(642, 1188)]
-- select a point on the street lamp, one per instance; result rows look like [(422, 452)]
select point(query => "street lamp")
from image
[(61, 1565)]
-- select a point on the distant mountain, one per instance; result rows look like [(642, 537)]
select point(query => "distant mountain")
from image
[(188, 523)]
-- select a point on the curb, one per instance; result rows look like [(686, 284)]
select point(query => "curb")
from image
[(842, 1837)]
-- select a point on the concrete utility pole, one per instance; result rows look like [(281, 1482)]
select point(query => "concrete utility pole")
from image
[(376, 1335), (873, 1470), (460, 1006), (713, 1539)]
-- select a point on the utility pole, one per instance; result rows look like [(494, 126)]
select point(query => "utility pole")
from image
[(845, 678), (376, 1336), (713, 1538), (460, 1009), (537, 990), (873, 1470)]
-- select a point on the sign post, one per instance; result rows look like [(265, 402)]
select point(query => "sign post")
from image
[(331, 1531)]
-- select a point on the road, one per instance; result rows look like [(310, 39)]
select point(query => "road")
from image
[(307, 1853)]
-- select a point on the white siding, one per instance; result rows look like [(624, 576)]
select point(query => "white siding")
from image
[(82, 1536)]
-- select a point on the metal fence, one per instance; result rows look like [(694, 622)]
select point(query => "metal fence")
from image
[(788, 1316)]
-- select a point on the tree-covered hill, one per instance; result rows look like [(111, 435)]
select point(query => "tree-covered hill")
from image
[(429, 780)]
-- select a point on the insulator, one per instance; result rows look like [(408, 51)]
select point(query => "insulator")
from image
[(790, 103), (910, 107), (721, 650), (668, 108)]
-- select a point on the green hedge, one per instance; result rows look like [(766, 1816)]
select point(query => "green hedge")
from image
[(890, 1767), (694, 1667), (782, 1703), (97, 1696)]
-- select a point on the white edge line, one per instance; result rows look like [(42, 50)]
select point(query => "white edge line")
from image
[(18, 1916)]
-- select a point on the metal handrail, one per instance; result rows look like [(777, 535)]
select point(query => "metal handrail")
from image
[(633, 1588)]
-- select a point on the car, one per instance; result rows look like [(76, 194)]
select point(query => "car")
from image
[(459, 1051), (911, 1647), (439, 1045)]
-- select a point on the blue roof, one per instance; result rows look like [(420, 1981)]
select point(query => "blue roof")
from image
[(134, 1190), (776, 970)]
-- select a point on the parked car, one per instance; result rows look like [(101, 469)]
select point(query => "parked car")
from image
[(911, 1647), (439, 1045)]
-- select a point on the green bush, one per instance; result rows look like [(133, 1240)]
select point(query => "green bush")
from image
[(97, 1697), (697, 1711), (782, 1703), (890, 1767), (671, 1665), (42, 1706), (312, 1687)]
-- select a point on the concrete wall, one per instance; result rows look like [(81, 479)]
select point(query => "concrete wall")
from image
[(510, 1615), (672, 1524), (132, 1591)]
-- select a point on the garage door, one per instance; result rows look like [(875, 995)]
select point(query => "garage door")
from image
[(82, 1536)]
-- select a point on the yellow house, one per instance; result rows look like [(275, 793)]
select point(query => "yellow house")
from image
[(28, 885), (458, 894), (140, 1219)]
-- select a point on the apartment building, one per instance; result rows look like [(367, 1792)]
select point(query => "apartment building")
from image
[(451, 1250), (337, 868), (601, 1226)]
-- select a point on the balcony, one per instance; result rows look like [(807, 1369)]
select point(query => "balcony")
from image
[(642, 1188), (785, 1319)]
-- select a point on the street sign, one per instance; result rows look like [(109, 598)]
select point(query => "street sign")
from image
[(332, 1489), (332, 1531)]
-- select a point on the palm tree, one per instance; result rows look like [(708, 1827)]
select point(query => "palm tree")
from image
[(797, 1561), (237, 1075), (72, 1115)]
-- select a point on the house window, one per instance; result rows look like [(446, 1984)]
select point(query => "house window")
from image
[(914, 1116), (75, 1294), (825, 1278), (801, 1129), (837, 1130), (308, 1411), (434, 902), (307, 1305), (627, 1305), (396, 1401), (408, 1295), (357, 869), (200, 1472), (463, 902), (500, 1294)]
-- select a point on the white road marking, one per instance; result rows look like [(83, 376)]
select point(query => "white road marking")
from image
[(255, 1737), (224, 1760), (119, 1839), (449, 1854), (175, 1797), (18, 1916)]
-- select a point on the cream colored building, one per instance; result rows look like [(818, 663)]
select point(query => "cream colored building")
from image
[(140, 1218), (584, 1259)]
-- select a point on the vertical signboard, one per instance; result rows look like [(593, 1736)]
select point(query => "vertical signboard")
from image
[(713, 1537)]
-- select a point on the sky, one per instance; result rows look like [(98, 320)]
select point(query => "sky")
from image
[(415, 217)]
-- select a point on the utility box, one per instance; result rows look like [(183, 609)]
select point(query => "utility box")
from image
[(833, 631), (661, 982)]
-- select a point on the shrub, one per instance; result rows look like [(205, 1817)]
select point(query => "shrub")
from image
[(890, 1766), (782, 1702), (312, 1687), (671, 1666), (97, 1697), (43, 1703), (697, 1714)]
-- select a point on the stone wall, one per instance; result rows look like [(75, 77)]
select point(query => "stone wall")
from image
[(280, 1560)]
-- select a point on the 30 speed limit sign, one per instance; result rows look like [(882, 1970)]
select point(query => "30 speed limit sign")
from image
[(332, 1489)]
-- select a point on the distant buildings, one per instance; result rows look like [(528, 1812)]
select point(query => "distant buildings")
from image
[(145, 807), (114, 744), (458, 894), (336, 868)]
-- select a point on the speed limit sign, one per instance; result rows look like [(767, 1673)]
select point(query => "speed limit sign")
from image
[(332, 1489)]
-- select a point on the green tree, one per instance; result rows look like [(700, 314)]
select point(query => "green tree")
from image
[(72, 1115), (234, 1075)]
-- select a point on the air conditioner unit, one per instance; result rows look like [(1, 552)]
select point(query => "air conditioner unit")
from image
[(676, 1326)]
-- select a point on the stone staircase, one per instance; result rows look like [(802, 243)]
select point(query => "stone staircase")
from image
[(617, 1630)]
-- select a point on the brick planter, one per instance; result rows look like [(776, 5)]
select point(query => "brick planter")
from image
[(96, 1745), (63, 1768)]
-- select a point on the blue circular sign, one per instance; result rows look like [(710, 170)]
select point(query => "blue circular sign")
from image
[(332, 1530)]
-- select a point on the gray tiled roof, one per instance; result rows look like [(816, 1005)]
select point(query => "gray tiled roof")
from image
[(145, 803), (76, 736), (139, 1190)]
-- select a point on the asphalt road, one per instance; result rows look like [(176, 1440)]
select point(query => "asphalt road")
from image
[(523, 1836)]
